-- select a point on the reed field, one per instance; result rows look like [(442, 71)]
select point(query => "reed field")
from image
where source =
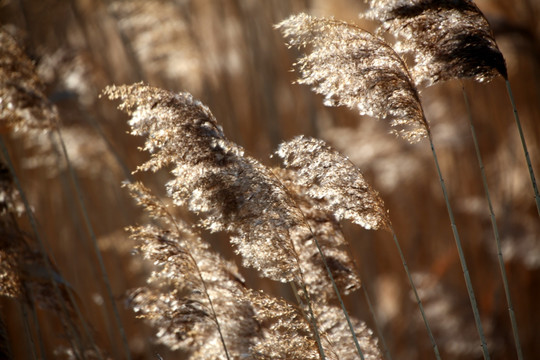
[(277, 179)]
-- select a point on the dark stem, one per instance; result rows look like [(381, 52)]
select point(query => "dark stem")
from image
[(524, 144), (495, 230), (462, 260)]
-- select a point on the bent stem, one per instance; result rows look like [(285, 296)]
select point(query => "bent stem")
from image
[(462, 260), (495, 230), (418, 301), (524, 144)]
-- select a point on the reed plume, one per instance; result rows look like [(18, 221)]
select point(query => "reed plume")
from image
[(448, 39), (453, 40), (213, 176), (325, 228), (327, 175), (254, 325), (352, 67), (194, 297)]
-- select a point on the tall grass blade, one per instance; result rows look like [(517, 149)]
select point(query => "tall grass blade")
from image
[(376, 322)]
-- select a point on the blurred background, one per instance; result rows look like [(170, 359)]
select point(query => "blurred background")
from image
[(228, 55)]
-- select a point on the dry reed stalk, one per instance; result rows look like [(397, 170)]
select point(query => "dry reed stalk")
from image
[(453, 40), (352, 67)]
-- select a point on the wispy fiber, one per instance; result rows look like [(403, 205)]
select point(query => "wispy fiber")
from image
[(448, 39), (213, 176), (286, 333), (334, 326), (352, 67)]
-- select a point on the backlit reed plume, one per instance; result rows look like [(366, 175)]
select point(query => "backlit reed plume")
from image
[(453, 40), (448, 39), (194, 297), (287, 334), (194, 292), (213, 177), (23, 104), (327, 175), (254, 325), (239, 195), (352, 67)]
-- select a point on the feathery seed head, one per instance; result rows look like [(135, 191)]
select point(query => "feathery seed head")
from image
[(352, 67)]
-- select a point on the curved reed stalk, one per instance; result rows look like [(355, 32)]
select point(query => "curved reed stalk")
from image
[(453, 40), (461, 254)]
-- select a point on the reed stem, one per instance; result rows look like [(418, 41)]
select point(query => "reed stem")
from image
[(495, 230), (418, 301), (524, 144), (379, 330), (462, 259)]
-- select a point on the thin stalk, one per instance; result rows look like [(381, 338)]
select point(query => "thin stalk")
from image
[(40, 242), (462, 260), (93, 238), (524, 144), (372, 311), (222, 338), (495, 230), (311, 317), (341, 303), (418, 301), (38, 329), (27, 331), (214, 314)]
